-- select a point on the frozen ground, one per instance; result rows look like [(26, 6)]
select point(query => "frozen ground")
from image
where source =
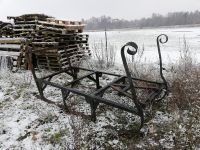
[(26, 122), (29, 123), (146, 39)]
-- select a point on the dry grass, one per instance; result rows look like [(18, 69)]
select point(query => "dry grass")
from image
[(185, 80), (104, 55), (185, 99)]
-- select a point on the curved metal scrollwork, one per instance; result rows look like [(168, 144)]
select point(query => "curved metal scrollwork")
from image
[(132, 51), (162, 39), (132, 48)]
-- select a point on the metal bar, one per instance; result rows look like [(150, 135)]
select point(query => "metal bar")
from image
[(31, 67), (107, 86), (85, 76), (117, 75), (54, 74), (91, 78), (69, 73), (93, 104), (99, 99), (64, 97), (132, 88), (160, 40), (122, 92), (46, 84), (121, 85), (145, 87), (97, 80), (126, 88), (85, 69)]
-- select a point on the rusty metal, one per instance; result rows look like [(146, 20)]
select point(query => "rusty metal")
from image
[(125, 85)]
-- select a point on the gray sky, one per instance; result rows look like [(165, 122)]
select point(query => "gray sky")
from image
[(77, 9)]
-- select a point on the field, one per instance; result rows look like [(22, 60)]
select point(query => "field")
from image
[(174, 123), (146, 39)]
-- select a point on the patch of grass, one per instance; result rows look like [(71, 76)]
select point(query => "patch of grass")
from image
[(48, 130), (9, 91), (104, 55), (1, 105), (48, 118), (26, 107), (55, 138)]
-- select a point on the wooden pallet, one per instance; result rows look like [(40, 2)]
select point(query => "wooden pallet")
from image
[(14, 48), (54, 41)]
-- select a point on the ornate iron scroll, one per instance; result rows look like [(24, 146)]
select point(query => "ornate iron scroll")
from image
[(162, 39), (132, 51)]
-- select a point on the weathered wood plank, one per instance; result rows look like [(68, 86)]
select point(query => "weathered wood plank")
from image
[(12, 40)]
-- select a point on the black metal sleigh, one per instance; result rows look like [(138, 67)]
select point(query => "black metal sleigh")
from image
[(124, 85)]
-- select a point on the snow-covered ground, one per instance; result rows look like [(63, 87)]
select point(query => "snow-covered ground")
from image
[(146, 39), (30, 123), (26, 122)]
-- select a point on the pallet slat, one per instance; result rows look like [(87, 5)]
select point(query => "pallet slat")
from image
[(53, 41)]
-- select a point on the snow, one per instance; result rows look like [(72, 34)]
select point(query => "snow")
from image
[(1, 95), (146, 38), (29, 123), (32, 124), (162, 118), (21, 113)]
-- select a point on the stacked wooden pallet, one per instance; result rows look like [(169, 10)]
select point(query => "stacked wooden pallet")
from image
[(5, 29), (14, 50), (55, 42)]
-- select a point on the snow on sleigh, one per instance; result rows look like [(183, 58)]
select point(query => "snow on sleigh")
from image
[(142, 92)]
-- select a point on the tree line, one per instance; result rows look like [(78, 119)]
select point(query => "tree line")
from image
[(156, 20)]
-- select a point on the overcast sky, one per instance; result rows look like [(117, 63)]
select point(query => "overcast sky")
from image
[(77, 9)]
